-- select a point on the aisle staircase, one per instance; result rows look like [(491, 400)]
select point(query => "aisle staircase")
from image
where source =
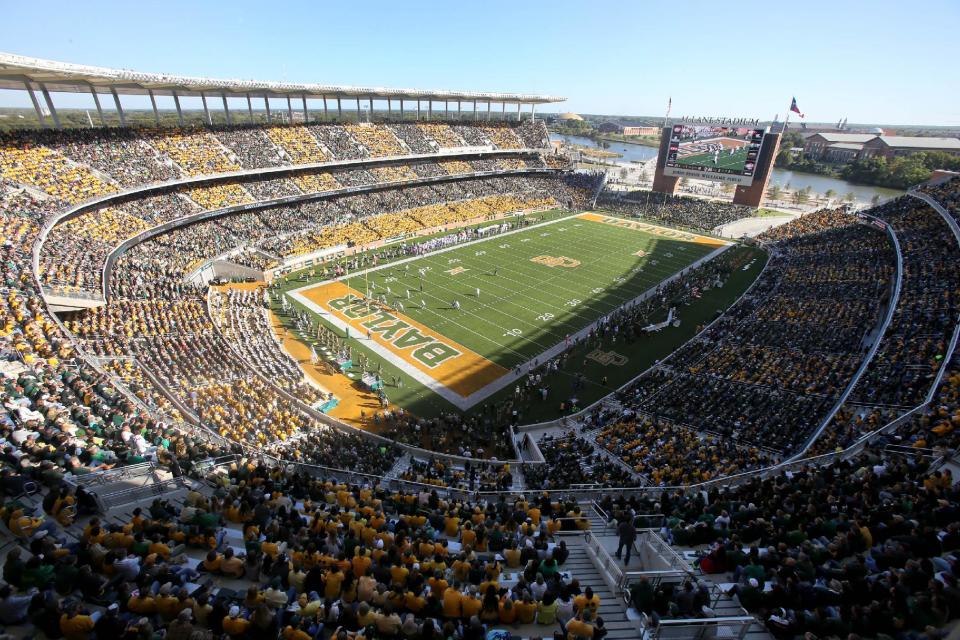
[(592, 561), (613, 610), (402, 464)]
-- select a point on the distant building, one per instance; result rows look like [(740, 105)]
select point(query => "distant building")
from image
[(847, 147), (815, 147), (896, 146), (626, 130), (842, 152), (570, 116), (640, 131)]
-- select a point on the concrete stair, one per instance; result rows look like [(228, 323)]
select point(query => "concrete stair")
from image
[(597, 524), (402, 464), (612, 608), (728, 606), (519, 481)]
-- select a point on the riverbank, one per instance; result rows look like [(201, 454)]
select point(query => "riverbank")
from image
[(593, 152), (834, 174), (643, 141)]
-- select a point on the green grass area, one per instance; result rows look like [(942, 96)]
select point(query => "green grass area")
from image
[(768, 213), (525, 307), (644, 141)]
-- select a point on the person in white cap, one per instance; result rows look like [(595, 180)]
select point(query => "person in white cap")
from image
[(233, 625)]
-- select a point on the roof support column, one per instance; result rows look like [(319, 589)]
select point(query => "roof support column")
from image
[(226, 108), (418, 110), (389, 108), (36, 104), (206, 111), (249, 107), (306, 114), (324, 107), (488, 110), (533, 112), (289, 109), (153, 103), (519, 104), (446, 109), (503, 110), (370, 110), (266, 103), (401, 109), (359, 119), (474, 109), (116, 101), (339, 109), (459, 111), (96, 101), (429, 109), (176, 101), (50, 107)]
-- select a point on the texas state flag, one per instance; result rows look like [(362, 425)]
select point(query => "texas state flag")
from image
[(795, 108)]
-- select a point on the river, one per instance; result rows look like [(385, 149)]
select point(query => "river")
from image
[(782, 177), (630, 152)]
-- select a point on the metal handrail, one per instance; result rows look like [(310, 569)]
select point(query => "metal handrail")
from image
[(698, 627)]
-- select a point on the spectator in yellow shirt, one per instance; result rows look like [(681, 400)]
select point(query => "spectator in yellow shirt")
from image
[(233, 625), (452, 600), (334, 580), (76, 624), (231, 565), (526, 609), (470, 604)]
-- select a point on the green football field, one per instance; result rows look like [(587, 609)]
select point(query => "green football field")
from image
[(525, 305), (724, 161)]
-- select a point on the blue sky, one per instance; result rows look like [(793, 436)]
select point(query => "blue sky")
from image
[(889, 62)]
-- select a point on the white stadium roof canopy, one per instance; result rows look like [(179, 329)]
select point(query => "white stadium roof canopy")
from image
[(55, 76)]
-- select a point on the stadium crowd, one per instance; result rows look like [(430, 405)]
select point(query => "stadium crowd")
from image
[(76, 249), (914, 345), (774, 364), (674, 211), (863, 545)]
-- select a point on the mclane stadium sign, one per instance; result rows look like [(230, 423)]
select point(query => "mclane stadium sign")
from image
[(721, 120)]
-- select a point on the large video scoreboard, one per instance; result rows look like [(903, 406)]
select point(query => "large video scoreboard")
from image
[(708, 152)]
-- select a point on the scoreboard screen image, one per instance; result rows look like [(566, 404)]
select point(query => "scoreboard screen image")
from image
[(702, 152)]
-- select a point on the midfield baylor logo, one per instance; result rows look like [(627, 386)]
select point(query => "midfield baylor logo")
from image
[(427, 350), (607, 358), (556, 261)]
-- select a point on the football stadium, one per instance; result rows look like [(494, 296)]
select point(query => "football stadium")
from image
[(286, 359)]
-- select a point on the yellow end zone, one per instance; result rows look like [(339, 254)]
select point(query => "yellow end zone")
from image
[(452, 365), (663, 232)]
